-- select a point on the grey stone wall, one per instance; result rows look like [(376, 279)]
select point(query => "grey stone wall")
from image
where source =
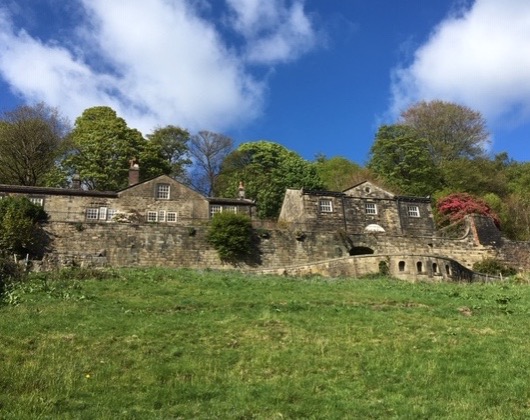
[(143, 244)]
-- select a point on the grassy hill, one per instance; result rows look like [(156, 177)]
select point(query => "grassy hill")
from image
[(159, 344)]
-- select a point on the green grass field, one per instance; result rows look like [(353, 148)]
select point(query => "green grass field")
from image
[(164, 344)]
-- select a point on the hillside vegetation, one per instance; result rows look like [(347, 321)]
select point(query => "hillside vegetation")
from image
[(157, 343)]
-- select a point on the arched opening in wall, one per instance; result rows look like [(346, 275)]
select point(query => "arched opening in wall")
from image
[(401, 266), (360, 250), (419, 266), (435, 268)]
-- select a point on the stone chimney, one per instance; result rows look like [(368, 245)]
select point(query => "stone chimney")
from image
[(134, 172), (76, 182), (241, 191)]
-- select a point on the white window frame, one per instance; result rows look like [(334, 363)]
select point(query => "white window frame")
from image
[(92, 213), (103, 213), (162, 191), (110, 214), (325, 205), (161, 215), (370, 208), (413, 211), (214, 209), (151, 216), (230, 209), (39, 201), (171, 217)]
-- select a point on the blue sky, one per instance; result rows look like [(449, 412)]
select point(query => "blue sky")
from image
[(317, 76)]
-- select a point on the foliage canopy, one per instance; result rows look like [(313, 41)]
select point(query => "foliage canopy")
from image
[(31, 139), (267, 170), (338, 173), (103, 145), (451, 130), (401, 159)]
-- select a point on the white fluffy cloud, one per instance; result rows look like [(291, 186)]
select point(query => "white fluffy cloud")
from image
[(274, 32), (156, 62), (479, 58)]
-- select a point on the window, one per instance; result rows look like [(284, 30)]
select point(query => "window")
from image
[(92, 213), (162, 191), (419, 267), (103, 213), (325, 206), (99, 213), (230, 209), (171, 217), (435, 268), (110, 214), (370, 208), (39, 201), (214, 209), (401, 266), (413, 211), (161, 216), (152, 216)]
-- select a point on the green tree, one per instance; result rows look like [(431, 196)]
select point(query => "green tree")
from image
[(267, 169), (338, 173), (451, 130), (400, 158), (20, 229), (31, 139), (477, 176), (103, 145), (171, 144)]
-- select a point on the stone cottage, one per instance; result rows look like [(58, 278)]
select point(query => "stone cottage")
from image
[(361, 209), (158, 200)]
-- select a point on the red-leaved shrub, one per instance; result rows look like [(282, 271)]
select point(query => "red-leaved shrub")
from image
[(455, 207)]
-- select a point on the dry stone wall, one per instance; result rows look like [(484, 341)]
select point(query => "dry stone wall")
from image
[(280, 250)]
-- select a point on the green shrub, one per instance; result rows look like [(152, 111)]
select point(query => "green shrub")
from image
[(494, 267), (232, 236), (20, 230)]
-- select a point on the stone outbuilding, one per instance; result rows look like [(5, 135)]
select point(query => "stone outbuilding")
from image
[(361, 209)]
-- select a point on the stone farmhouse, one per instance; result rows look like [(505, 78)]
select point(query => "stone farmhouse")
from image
[(158, 200), (361, 209), (364, 229)]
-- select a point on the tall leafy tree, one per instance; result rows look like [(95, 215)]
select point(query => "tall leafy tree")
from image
[(102, 146), (451, 130), (338, 173), (401, 159), (208, 151), (171, 144), (31, 139), (267, 169), (477, 176)]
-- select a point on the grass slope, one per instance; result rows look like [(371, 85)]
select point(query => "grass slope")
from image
[(158, 344)]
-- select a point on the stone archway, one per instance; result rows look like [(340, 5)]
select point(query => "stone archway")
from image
[(360, 250)]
